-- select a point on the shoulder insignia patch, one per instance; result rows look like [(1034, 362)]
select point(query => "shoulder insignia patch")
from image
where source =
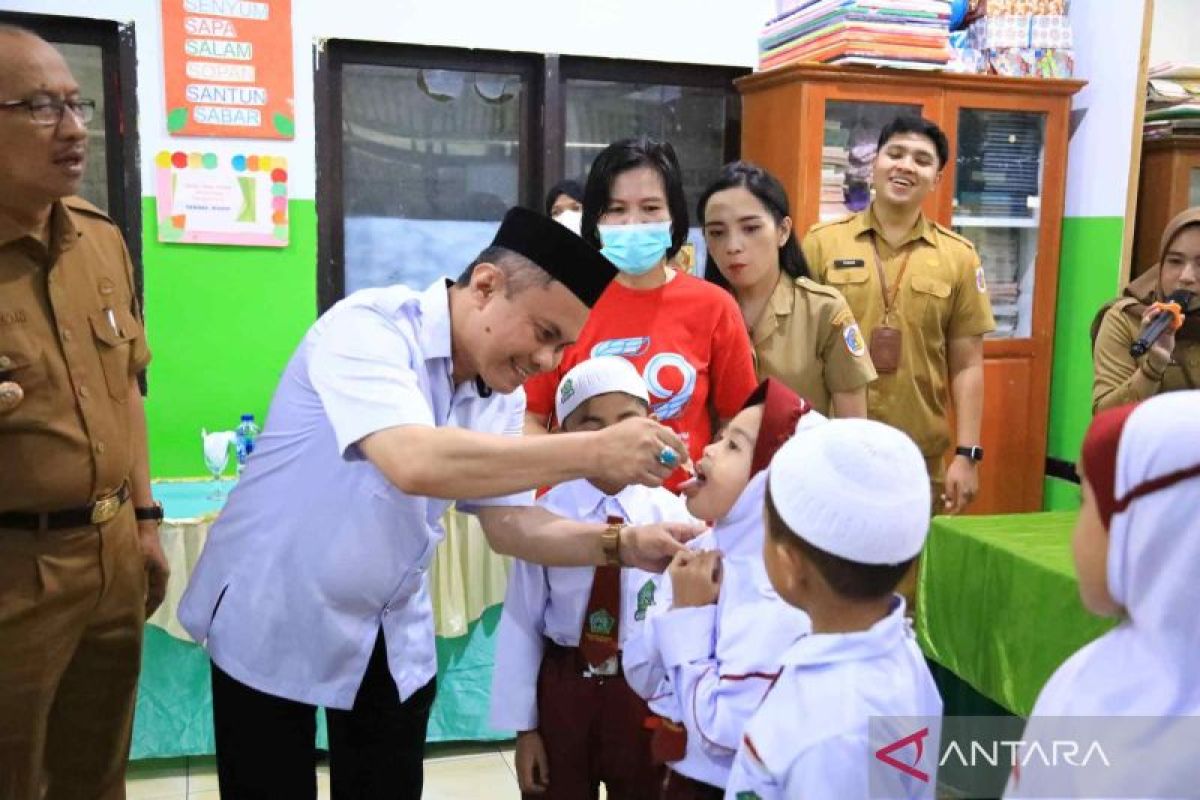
[(854, 340)]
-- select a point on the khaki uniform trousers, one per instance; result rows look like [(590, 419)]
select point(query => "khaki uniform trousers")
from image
[(71, 617), (936, 467)]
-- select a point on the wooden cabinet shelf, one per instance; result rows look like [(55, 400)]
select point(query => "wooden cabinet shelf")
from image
[(815, 127), (1169, 183)]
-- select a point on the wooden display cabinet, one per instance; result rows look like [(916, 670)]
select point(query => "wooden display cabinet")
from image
[(815, 126), (1169, 183)]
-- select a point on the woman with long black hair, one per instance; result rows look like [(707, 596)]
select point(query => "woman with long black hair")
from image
[(803, 332)]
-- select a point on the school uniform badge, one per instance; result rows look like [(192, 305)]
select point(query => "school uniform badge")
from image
[(645, 599), (854, 340), (601, 623)]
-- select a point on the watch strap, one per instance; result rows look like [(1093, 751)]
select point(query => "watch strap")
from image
[(610, 540), (974, 453), (152, 513)]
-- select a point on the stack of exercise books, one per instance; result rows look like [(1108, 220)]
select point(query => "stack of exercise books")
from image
[(1172, 101), (894, 33)]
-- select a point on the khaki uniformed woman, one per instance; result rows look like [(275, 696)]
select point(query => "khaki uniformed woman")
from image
[(1173, 362), (929, 345), (803, 333)]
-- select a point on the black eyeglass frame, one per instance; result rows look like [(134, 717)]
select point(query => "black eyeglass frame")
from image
[(83, 110)]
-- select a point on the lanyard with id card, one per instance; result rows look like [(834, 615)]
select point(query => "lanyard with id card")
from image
[(885, 342)]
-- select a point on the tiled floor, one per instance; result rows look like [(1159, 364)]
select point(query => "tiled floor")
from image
[(452, 772)]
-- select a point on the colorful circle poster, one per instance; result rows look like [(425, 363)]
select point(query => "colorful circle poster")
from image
[(211, 198)]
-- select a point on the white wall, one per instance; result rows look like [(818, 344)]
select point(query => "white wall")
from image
[(694, 31), (1173, 36), (1107, 49)]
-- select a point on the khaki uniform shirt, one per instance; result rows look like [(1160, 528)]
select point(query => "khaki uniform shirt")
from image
[(71, 336), (807, 338), (1115, 369), (942, 296)]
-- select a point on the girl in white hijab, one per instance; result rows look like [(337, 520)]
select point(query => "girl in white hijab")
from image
[(1137, 552)]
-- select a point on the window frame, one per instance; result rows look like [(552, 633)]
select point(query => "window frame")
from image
[(118, 54), (543, 119), (332, 57), (705, 76)]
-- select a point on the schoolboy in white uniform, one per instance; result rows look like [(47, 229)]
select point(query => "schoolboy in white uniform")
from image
[(717, 622), (847, 511), (557, 677)]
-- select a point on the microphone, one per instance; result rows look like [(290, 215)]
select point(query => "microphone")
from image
[(1171, 314)]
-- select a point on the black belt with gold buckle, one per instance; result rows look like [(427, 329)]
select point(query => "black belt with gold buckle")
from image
[(96, 513)]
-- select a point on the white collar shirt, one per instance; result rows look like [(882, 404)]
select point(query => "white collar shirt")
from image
[(315, 550), (708, 667), (550, 602), (809, 738)]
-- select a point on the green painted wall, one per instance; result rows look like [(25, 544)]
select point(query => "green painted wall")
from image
[(1088, 275), (222, 323)]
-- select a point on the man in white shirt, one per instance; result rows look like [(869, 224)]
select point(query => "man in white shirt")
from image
[(312, 588)]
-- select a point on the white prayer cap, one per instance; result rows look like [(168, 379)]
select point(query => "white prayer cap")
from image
[(595, 376), (854, 488)]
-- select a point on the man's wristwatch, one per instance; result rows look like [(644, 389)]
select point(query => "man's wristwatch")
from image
[(152, 513), (975, 453), (610, 541)]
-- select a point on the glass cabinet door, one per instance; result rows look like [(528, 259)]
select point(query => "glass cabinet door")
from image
[(851, 139), (997, 205)]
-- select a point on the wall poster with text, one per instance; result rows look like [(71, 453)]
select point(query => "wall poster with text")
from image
[(228, 68), (220, 198)]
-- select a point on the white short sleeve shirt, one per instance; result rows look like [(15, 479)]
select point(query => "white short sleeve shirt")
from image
[(810, 737), (315, 549), (550, 602)]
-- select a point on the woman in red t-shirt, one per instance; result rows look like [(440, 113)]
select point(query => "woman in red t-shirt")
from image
[(684, 335)]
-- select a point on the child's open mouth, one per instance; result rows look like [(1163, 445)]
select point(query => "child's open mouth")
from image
[(694, 483)]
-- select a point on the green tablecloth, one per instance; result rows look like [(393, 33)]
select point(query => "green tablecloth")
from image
[(998, 602)]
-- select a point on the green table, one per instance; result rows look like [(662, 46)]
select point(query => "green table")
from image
[(998, 602)]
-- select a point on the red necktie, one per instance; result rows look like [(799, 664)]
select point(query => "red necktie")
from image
[(602, 620)]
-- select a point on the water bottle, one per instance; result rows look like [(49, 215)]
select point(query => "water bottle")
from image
[(247, 432)]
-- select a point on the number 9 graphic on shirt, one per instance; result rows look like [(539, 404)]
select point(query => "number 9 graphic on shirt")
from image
[(674, 400)]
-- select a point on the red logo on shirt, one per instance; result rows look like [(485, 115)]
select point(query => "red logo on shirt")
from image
[(884, 754)]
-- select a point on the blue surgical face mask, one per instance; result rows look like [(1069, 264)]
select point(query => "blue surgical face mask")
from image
[(635, 249)]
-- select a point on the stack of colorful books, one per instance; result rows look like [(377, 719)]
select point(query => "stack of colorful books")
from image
[(893, 33)]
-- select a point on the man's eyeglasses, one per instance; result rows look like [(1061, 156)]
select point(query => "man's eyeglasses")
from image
[(49, 110)]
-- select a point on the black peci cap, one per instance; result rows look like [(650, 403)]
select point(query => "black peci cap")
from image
[(553, 247)]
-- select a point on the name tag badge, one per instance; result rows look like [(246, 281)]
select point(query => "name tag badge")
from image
[(848, 263), (885, 349)]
